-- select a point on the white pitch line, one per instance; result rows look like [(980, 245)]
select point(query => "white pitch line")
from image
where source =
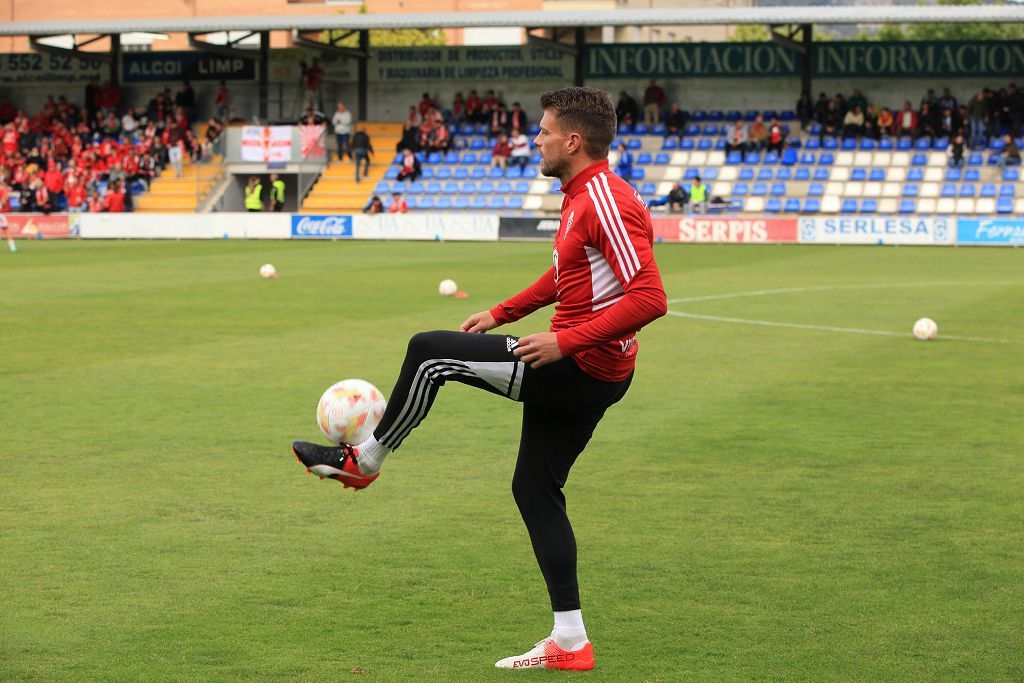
[(829, 328), (827, 288)]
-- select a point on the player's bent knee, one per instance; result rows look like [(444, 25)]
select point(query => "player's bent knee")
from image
[(424, 345)]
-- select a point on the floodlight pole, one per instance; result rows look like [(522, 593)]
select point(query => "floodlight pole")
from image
[(115, 59), (263, 71), (578, 64), (805, 48), (364, 70)]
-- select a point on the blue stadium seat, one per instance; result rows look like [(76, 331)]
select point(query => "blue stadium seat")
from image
[(469, 157), (997, 144), (915, 174), (778, 189), (813, 144), (877, 175), (849, 144), (461, 173), (658, 129), (478, 172), (948, 191), (529, 172), (789, 157), (692, 130), (858, 175), (919, 160), (734, 158), (669, 144), (477, 144), (382, 188), (826, 159), (967, 190), (514, 203), (534, 158), (849, 206), (661, 159), (496, 203), (391, 174), (643, 159), (495, 173), (442, 173), (812, 206), (771, 158), (709, 173), (1007, 191), (716, 115), (485, 158), (634, 144), (534, 130), (648, 189), (640, 129), (821, 174), (784, 174), (432, 188), (923, 143), (792, 205), (398, 158), (414, 188), (953, 175), (1004, 205), (705, 144), (904, 144), (710, 129), (521, 187), (1011, 175), (972, 175), (478, 202), (764, 173), (911, 190), (461, 202), (867, 144), (432, 158), (988, 190), (639, 173), (427, 173), (885, 143), (869, 206), (908, 206), (752, 159), (691, 173), (687, 144), (625, 129), (468, 187), (556, 188), (513, 173), (699, 115), (773, 205), (451, 188), (444, 202), (975, 159), (815, 190), (733, 114), (808, 159), (750, 115), (802, 174), (940, 144), (759, 190), (787, 116), (425, 202), (745, 174), (829, 143), (740, 190)]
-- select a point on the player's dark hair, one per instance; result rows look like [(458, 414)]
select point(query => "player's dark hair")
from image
[(586, 111)]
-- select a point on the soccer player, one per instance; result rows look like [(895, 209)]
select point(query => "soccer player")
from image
[(7, 235), (607, 286)]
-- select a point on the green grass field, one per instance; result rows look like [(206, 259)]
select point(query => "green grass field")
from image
[(767, 503)]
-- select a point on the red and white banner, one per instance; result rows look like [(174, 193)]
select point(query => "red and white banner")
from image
[(267, 144), (311, 137), (758, 229), (36, 225)]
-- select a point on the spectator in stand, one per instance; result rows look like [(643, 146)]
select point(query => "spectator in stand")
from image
[(95, 203), (411, 167), (311, 118), (626, 109), (413, 120), (857, 99), (517, 118), (948, 124), (116, 174), (458, 109), (75, 193), (186, 99), (677, 195), (174, 139), (488, 106), (842, 105), (92, 99), (821, 109), (871, 122), (221, 102), (675, 121), (654, 100), (129, 122), (440, 138), (474, 107), (53, 179), (410, 139), (342, 122), (928, 121), (947, 101), (426, 104), (375, 205), (699, 192), (313, 78), (7, 111), (885, 122), (758, 134), (906, 121), (955, 152), (738, 140), (499, 121), (1010, 156), (253, 195), (116, 199), (853, 123), (624, 166), (276, 193), (776, 137), (43, 202), (520, 145), (501, 152), (977, 110), (929, 98), (110, 98), (804, 109), (398, 204)]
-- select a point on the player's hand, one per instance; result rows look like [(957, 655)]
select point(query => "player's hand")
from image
[(538, 349), (479, 322)]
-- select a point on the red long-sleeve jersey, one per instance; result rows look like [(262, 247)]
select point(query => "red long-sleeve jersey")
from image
[(604, 277)]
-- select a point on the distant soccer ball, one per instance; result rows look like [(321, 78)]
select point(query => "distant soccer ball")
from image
[(447, 288), (350, 410), (268, 270), (925, 329)]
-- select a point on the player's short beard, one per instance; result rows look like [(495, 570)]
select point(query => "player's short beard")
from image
[(553, 167)]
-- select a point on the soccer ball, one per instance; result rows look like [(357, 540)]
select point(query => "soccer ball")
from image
[(925, 329), (268, 270), (447, 288), (350, 410)]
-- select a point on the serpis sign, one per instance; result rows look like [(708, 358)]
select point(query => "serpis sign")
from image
[(876, 230), (997, 231), (328, 227)]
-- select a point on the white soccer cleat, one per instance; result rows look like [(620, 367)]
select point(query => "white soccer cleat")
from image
[(548, 655)]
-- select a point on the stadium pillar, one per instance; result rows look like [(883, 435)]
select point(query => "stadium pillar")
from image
[(115, 59), (578, 63), (363, 86), (807, 31), (263, 70)]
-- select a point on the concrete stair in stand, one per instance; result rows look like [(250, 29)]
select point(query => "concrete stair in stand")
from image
[(337, 190)]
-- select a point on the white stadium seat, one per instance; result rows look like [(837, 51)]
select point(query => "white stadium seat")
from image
[(728, 173), (674, 173), (723, 189), (698, 158), (901, 159), (965, 206), (887, 206), (862, 159), (892, 190), (664, 188), (854, 190), (934, 175), (680, 158), (533, 203), (985, 206), (834, 189), (946, 205), (830, 204), (882, 159), (844, 159), (754, 205), (937, 159), (840, 173), (540, 187), (1018, 206), (716, 158), (897, 174), (872, 189), (926, 206)]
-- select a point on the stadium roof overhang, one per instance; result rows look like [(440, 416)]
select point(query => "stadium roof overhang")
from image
[(559, 19)]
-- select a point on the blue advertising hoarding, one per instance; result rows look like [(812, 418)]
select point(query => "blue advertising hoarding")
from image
[(1008, 231), (321, 226)]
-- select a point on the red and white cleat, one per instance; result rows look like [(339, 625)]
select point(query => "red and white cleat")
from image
[(548, 655), (334, 462)]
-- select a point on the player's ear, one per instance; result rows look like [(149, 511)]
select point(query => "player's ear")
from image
[(574, 143)]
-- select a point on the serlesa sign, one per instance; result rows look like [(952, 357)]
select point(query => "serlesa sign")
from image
[(877, 230)]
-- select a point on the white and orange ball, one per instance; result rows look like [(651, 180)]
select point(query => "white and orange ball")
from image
[(350, 410), (267, 270), (447, 288), (925, 329)]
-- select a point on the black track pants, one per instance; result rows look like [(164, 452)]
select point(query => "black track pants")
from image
[(562, 406)]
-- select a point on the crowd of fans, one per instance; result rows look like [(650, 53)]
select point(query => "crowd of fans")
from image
[(88, 158)]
